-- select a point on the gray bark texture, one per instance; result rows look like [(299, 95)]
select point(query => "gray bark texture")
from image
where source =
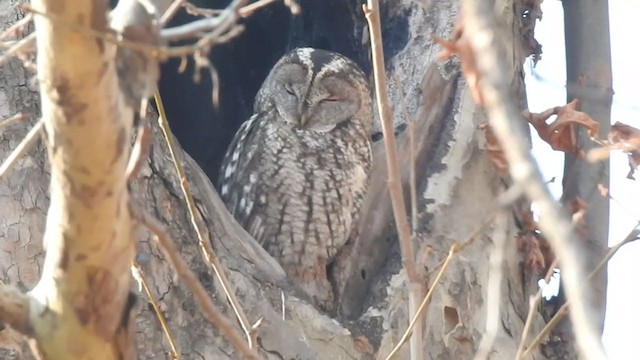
[(589, 79), (457, 188)]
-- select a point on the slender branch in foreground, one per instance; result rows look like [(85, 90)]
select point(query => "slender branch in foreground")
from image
[(206, 247), (534, 302), (25, 145), (452, 251), (22, 45), (171, 11), (372, 14), (12, 120), (138, 274), (494, 287), (489, 54), (17, 28), (205, 304), (633, 235)]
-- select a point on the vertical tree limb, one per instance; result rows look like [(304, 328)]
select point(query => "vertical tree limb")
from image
[(83, 291), (589, 79), (487, 45), (372, 13)]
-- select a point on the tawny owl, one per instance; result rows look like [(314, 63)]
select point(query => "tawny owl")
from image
[(297, 171)]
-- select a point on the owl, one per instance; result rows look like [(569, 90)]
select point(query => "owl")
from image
[(297, 171)]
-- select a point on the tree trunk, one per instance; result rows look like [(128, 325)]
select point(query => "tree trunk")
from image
[(457, 187)]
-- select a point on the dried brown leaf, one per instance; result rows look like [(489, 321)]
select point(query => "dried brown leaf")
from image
[(625, 135), (561, 133), (621, 137), (634, 162)]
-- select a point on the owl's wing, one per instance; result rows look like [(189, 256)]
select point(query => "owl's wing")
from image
[(238, 177)]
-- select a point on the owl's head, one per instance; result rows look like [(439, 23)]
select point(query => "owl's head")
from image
[(316, 90)]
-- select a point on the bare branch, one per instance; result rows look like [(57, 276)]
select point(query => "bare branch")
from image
[(490, 58), (372, 14), (206, 247), (534, 302), (12, 120), (17, 28), (171, 12), (21, 46), (140, 151), (205, 304), (209, 28), (25, 145), (138, 275)]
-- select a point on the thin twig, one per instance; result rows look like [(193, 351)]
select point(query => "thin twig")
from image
[(17, 28), (209, 28), (489, 57), (251, 8), (12, 120), (534, 301), (140, 150), (171, 11), (138, 274), (494, 287), (205, 246), (205, 304), (293, 6), (372, 14), (633, 235), (23, 45), (413, 191), (452, 251), (25, 145)]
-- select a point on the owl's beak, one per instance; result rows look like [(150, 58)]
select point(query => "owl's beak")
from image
[(303, 114), (303, 119)]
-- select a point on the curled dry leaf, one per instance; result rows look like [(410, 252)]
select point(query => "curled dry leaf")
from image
[(561, 133), (621, 137), (634, 162), (627, 138), (460, 46), (494, 150)]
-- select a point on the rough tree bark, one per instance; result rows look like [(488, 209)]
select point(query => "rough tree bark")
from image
[(456, 182), (589, 78)]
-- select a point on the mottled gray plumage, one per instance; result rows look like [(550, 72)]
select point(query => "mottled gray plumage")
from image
[(297, 171)]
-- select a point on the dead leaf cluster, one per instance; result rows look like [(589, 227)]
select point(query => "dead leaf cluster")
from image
[(621, 137)]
